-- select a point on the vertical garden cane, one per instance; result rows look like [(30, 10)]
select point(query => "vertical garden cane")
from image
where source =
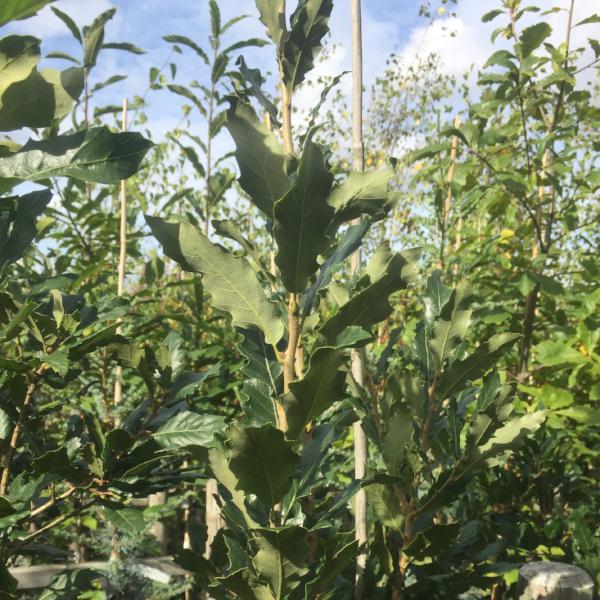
[(118, 387), (360, 439)]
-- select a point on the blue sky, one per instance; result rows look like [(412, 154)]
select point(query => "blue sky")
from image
[(388, 26)]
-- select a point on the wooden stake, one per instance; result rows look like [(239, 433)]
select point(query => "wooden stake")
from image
[(118, 387), (448, 199), (214, 520), (118, 390), (358, 367)]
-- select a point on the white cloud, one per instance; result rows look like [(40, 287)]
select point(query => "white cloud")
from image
[(464, 40), (46, 25)]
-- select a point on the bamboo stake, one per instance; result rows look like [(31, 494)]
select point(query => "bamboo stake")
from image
[(289, 362), (118, 389), (448, 199), (118, 386), (358, 159)]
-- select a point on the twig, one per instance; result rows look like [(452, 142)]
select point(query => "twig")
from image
[(14, 438), (24, 541)]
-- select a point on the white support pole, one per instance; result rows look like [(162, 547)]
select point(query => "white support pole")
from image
[(358, 160)]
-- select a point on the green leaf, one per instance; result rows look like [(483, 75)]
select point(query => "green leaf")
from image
[(363, 194), (475, 365), (11, 10), (349, 243), (272, 14), (436, 296), (187, 429), (192, 156), (67, 85), (506, 438), (18, 216), (429, 151), (95, 154), (125, 46), (54, 462), (186, 41), (491, 15), (551, 353), (126, 520), (262, 378), (309, 25), (263, 462), (385, 505), (63, 56), (532, 37), (371, 305), (323, 384), (68, 21), (589, 20), (331, 569), (215, 18), (180, 90), (398, 437), (302, 220), (229, 279), (282, 557), (19, 54), (254, 79), (28, 103), (58, 361), (8, 584), (260, 157), (451, 326), (586, 415), (93, 37), (249, 43), (218, 461)]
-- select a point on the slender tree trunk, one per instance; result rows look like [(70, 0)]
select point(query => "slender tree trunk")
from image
[(544, 242), (358, 367)]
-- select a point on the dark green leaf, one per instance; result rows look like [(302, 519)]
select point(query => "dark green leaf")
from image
[(272, 14), (302, 220), (123, 46), (309, 25), (253, 450), (363, 194), (282, 557), (11, 10), (18, 217), (259, 155), (187, 429), (532, 37), (323, 384), (68, 21), (230, 279), (126, 520), (349, 243), (491, 15), (185, 41), (372, 305), (475, 365), (254, 79), (95, 154)]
